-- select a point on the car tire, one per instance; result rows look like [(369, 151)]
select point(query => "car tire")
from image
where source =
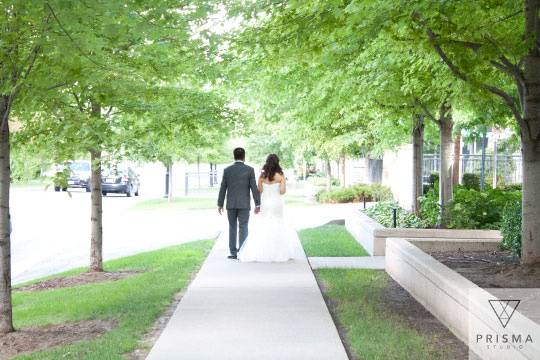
[(137, 192), (64, 189), (57, 188), (129, 192), (87, 188), (103, 193)]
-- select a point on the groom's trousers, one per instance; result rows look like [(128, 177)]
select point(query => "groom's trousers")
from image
[(238, 224)]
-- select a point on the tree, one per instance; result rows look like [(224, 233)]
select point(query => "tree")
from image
[(192, 126), (131, 50), (80, 67), (493, 57), (342, 82), (25, 29)]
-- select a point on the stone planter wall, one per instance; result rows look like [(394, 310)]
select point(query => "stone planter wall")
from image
[(372, 236), (362, 228), (458, 303)]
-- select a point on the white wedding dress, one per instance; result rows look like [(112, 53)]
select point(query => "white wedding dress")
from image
[(270, 239)]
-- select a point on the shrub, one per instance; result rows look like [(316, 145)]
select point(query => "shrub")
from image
[(511, 227), (433, 179), (430, 210), (471, 181), (471, 209), (355, 193), (433, 183), (60, 179), (379, 192), (336, 196), (321, 180), (26, 164), (382, 212), (511, 187)]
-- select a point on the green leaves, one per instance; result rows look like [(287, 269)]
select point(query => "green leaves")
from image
[(142, 63), (357, 71)]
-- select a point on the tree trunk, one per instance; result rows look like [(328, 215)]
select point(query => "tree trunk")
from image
[(483, 162), (338, 172), (418, 161), (166, 165), (531, 203), (328, 175), (343, 171), (211, 182), (198, 171), (530, 139), (494, 164), (446, 125), (457, 154), (96, 215), (6, 310), (170, 179), (96, 242)]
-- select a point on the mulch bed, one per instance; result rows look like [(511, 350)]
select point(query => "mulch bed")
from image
[(39, 338), (77, 280), (398, 300), (497, 269)]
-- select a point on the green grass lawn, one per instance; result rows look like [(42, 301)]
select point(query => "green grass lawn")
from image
[(178, 203), (135, 302), (205, 203), (372, 331), (330, 240)]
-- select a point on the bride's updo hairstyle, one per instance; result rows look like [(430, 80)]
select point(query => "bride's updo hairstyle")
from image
[(271, 167)]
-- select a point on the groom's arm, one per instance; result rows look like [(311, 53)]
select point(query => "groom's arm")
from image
[(254, 189), (222, 191)]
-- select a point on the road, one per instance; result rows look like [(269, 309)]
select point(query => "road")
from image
[(51, 231)]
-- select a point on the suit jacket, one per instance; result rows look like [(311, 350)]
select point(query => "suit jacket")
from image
[(238, 180)]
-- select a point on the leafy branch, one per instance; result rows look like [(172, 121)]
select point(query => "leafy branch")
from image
[(507, 98)]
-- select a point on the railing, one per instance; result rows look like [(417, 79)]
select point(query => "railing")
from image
[(508, 167), (200, 181)]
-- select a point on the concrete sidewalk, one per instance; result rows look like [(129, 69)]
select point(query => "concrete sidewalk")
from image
[(250, 311)]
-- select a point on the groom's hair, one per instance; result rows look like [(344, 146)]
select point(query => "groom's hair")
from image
[(239, 154)]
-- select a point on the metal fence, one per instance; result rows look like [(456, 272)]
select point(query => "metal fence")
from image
[(507, 168), (200, 181)]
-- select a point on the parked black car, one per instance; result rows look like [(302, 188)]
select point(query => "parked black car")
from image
[(79, 176), (74, 174), (121, 180)]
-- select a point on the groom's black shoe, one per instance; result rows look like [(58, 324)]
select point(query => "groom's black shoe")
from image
[(231, 257)]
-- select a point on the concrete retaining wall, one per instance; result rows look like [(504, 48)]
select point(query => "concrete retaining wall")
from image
[(372, 236), (362, 228), (458, 303)]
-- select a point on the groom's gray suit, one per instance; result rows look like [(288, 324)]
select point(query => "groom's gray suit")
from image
[(238, 180)]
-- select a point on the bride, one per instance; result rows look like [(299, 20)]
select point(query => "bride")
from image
[(270, 239)]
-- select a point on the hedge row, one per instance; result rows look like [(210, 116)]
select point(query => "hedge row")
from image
[(355, 193)]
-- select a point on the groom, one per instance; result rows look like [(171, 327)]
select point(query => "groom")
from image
[(238, 180)]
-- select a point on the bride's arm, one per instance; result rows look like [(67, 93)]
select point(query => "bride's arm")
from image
[(282, 185), (259, 185)]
